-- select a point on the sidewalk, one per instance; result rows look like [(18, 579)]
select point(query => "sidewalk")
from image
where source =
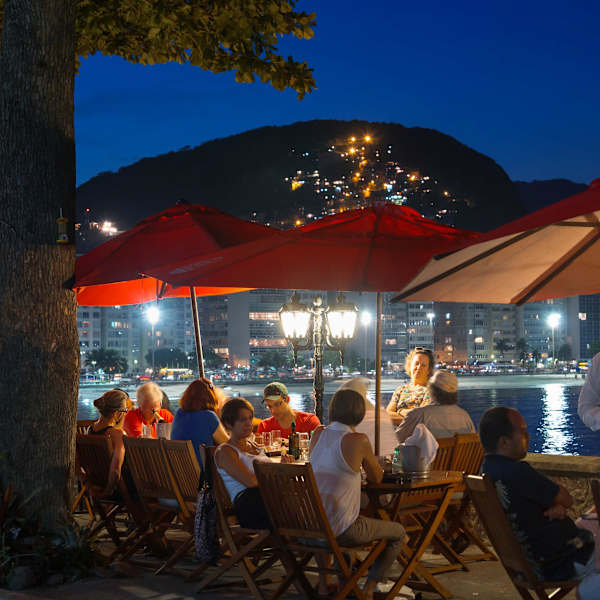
[(484, 581)]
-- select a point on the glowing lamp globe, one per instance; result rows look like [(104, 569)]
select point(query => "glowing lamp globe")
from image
[(341, 319), (295, 319)]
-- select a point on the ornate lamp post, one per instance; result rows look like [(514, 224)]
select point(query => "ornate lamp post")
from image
[(318, 327)]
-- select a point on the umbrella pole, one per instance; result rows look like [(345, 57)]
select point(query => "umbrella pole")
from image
[(378, 372), (199, 357)]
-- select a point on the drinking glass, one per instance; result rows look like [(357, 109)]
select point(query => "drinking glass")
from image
[(146, 430), (276, 439), (267, 440), (259, 440), (304, 442)]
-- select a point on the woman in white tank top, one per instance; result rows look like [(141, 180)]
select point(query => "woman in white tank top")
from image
[(337, 454), (235, 463)]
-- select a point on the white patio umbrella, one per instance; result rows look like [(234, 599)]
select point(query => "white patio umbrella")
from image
[(551, 253)]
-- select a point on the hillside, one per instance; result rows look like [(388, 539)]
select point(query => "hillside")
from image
[(537, 194), (308, 168)]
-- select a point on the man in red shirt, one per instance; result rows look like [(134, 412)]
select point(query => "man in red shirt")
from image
[(277, 399), (148, 412)]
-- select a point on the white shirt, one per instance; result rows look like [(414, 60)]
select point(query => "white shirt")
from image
[(337, 481), (233, 486), (588, 406), (443, 420)]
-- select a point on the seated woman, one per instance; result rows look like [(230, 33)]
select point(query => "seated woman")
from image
[(197, 418), (235, 464), (112, 406), (337, 453), (443, 417), (418, 365)]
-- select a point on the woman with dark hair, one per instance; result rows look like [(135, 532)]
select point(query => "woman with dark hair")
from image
[(235, 463), (112, 406), (197, 418), (418, 365), (337, 453)]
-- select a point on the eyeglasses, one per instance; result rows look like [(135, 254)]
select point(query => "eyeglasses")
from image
[(422, 349)]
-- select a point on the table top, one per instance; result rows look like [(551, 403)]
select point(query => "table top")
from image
[(430, 479)]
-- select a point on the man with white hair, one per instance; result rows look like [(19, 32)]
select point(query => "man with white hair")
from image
[(148, 412), (443, 417)]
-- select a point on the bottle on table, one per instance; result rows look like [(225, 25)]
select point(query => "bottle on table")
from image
[(397, 461), (294, 442)]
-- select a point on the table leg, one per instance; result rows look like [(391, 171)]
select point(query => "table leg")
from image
[(412, 564)]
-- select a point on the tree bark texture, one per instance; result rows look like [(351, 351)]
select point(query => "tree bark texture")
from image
[(39, 350)]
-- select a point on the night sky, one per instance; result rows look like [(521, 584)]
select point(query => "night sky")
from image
[(518, 81)]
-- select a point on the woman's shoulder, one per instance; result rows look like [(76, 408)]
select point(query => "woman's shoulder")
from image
[(226, 449)]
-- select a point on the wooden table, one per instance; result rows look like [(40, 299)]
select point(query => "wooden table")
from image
[(429, 497)]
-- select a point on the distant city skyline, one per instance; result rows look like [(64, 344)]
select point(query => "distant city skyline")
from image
[(515, 82)]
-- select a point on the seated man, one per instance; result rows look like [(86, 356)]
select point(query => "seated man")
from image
[(443, 417), (276, 398), (148, 412), (535, 506)]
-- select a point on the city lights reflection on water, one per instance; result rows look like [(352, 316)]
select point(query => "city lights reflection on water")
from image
[(554, 424)]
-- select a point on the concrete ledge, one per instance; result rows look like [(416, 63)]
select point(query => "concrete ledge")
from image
[(565, 465)]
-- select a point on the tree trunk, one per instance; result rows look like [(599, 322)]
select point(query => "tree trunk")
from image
[(39, 352)]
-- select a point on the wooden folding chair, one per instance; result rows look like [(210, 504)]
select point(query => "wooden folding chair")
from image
[(511, 554), (595, 485), (184, 471), (82, 493), (251, 550), (154, 484), (94, 456), (467, 458), (294, 505), (463, 453), (443, 457)]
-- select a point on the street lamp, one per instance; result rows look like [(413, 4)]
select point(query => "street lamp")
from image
[(152, 315), (553, 321), (365, 319), (318, 326)]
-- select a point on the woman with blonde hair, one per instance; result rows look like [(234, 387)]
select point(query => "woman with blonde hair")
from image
[(112, 406), (419, 365)]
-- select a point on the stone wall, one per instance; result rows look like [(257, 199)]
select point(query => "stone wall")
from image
[(574, 472)]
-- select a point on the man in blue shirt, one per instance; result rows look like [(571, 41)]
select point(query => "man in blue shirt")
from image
[(535, 506)]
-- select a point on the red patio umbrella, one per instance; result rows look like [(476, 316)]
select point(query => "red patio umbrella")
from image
[(551, 253), (377, 248), (373, 249), (114, 272)]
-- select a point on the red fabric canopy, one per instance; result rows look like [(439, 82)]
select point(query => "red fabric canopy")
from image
[(114, 272), (377, 248)]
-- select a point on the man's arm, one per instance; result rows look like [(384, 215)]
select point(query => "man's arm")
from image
[(588, 406), (558, 510), (407, 426), (132, 426)]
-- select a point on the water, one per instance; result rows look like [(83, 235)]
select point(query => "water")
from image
[(549, 407)]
